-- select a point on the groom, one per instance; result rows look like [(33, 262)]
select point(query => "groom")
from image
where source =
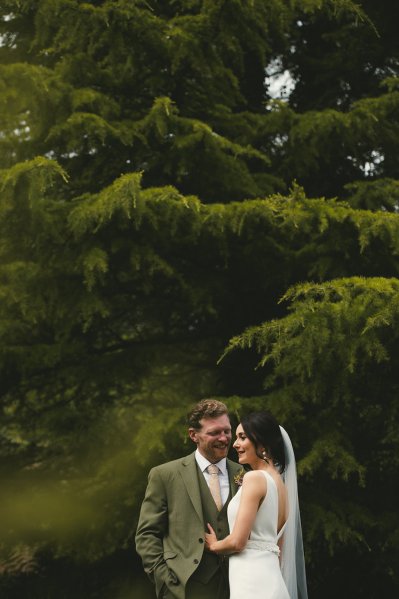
[(179, 503)]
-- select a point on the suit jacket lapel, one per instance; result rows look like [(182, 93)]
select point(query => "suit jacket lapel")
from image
[(233, 469), (189, 475), (188, 472)]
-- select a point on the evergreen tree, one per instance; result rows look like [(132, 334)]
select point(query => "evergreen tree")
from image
[(157, 202)]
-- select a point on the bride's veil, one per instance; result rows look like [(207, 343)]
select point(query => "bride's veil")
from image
[(292, 556)]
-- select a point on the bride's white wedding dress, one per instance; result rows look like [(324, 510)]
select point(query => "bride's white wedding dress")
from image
[(255, 572)]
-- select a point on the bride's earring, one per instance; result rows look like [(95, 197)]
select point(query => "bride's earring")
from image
[(264, 456)]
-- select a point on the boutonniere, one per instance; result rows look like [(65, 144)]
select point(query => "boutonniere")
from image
[(238, 477)]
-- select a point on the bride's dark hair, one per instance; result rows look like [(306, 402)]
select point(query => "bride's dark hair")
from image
[(264, 431)]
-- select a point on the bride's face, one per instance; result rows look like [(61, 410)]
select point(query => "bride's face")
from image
[(245, 448)]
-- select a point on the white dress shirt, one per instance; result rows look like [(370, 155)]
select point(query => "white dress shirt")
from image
[(203, 464)]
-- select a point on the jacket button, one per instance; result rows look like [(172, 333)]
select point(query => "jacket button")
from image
[(195, 561), (201, 540)]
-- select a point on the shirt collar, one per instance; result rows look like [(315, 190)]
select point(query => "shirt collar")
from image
[(203, 463)]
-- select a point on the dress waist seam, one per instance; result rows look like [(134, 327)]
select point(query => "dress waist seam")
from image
[(263, 546)]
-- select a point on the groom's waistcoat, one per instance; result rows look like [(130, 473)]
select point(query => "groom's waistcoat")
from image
[(218, 520)]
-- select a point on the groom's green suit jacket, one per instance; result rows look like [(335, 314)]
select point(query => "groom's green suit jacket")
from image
[(170, 533)]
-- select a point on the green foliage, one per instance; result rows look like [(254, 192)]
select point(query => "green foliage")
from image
[(157, 199), (381, 194), (331, 365)]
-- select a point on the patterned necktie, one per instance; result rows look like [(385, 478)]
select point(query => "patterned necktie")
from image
[(214, 485)]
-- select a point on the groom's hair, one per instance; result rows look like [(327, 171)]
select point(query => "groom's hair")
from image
[(206, 408)]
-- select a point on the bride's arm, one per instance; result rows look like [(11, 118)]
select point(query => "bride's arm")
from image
[(254, 489), (280, 544)]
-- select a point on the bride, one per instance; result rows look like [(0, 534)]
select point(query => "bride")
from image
[(265, 540)]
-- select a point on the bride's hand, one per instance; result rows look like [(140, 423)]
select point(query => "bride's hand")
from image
[(210, 538)]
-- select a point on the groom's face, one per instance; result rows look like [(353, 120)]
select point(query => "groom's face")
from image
[(213, 438)]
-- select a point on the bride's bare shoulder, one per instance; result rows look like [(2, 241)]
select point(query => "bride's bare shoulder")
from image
[(254, 477), (278, 480)]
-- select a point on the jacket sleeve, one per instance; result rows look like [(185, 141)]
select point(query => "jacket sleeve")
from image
[(151, 529)]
